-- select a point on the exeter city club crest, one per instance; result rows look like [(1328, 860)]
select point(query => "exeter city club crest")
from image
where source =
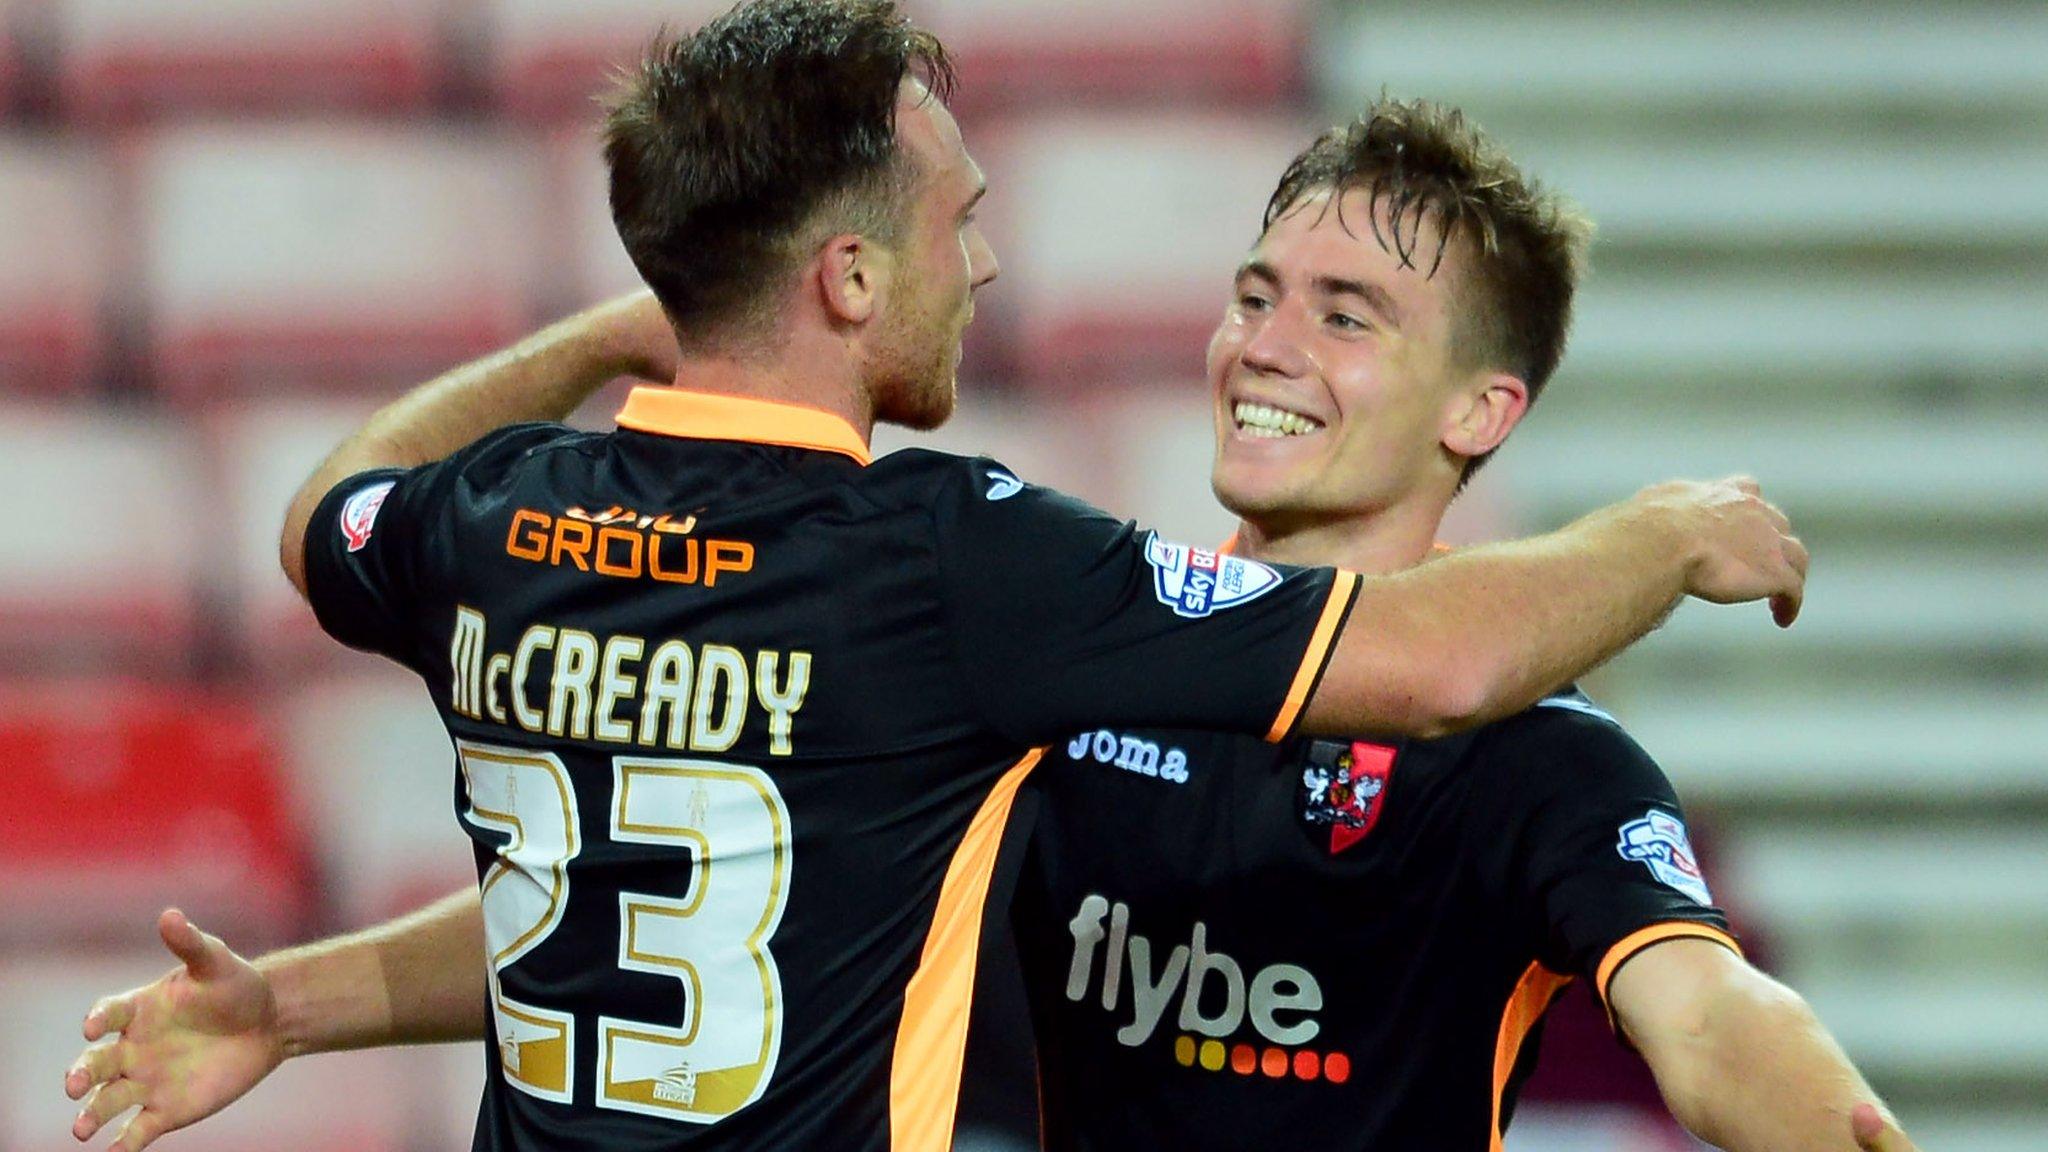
[(1344, 786)]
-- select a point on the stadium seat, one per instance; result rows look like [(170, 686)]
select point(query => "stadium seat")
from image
[(371, 743), (10, 57), (127, 58), (53, 276), (1119, 236), (1241, 52), (103, 545), (125, 797), (258, 455), (343, 1102), (591, 264), (548, 58), (332, 256)]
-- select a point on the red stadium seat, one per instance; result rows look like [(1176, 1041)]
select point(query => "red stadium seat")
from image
[(124, 797), (126, 58), (10, 56), (1118, 236), (1213, 51), (342, 1102), (549, 57), (332, 257), (102, 541), (54, 275)]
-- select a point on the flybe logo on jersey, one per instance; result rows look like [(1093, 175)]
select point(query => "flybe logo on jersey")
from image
[(1130, 753), (1250, 1021), (1195, 581)]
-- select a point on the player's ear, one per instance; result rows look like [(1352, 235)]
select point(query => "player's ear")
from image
[(852, 273), (1483, 413)]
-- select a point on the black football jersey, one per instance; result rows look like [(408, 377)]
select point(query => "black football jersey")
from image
[(739, 715), (1327, 944)]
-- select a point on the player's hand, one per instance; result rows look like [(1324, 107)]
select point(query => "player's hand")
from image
[(1742, 547), (1876, 1134), (184, 1047), (637, 338)]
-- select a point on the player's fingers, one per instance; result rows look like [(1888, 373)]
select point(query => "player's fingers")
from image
[(1746, 485), (109, 1014), (140, 1133), (1796, 555), (187, 942), (107, 1101), (1776, 517), (1873, 1133), (96, 1065)]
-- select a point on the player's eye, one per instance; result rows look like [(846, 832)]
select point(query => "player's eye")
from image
[(1253, 302), (1346, 322)]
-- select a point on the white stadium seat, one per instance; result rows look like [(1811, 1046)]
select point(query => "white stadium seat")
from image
[(371, 756), (547, 58), (591, 263), (54, 276), (258, 455), (1224, 51), (105, 523), (280, 257), (1119, 235), (124, 58)]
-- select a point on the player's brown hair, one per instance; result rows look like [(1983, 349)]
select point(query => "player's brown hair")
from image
[(735, 150), (1526, 246)]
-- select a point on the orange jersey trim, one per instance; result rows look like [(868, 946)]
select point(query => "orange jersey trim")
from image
[(1636, 941), (931, 1038), (1533, 995), (1320, 643), (707, 416)]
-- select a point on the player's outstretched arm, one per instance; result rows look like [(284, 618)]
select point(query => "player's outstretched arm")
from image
[(544, 377), (1741, 1060), (1485, 632), (196, 1040)]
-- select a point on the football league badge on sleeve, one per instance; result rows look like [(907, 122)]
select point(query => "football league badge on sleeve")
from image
[(359, 514), (1344, 786), (1195, 581), (1658, 842)]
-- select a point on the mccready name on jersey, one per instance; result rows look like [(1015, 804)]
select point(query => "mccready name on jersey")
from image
[(679, 696)]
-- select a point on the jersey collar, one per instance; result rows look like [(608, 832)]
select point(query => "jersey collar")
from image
[(707, 416)]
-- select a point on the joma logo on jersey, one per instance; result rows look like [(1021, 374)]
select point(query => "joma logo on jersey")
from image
[(1130, 753), (1277, 1003), (624, 544), (1195, 581)]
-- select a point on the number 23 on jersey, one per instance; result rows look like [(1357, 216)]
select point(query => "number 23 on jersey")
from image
[(731, 821)]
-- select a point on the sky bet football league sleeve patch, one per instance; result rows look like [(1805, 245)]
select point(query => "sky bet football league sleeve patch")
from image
[(1195, 582), (1658, 842), (359, 515)]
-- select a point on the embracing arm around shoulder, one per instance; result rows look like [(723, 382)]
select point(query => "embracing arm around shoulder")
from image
[(1741, 1060), (543, 377), (1485, 632)]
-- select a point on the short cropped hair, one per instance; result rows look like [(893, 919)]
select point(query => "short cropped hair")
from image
[(1526, 245), (736, 149)]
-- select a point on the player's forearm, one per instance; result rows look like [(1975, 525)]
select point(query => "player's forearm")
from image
[(414, 980), (1485, 632), (543, 377), (1758, 1072)]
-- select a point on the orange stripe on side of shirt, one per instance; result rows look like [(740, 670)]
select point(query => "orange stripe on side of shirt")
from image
[(1532, 997), (1642, 938), (931, 1039), (1342, 592)]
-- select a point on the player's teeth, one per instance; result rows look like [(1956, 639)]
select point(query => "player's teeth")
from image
[(1263, 420)]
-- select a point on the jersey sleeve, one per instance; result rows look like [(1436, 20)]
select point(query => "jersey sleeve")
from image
[(380, 539), (1063, 617), (1604, 860)]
